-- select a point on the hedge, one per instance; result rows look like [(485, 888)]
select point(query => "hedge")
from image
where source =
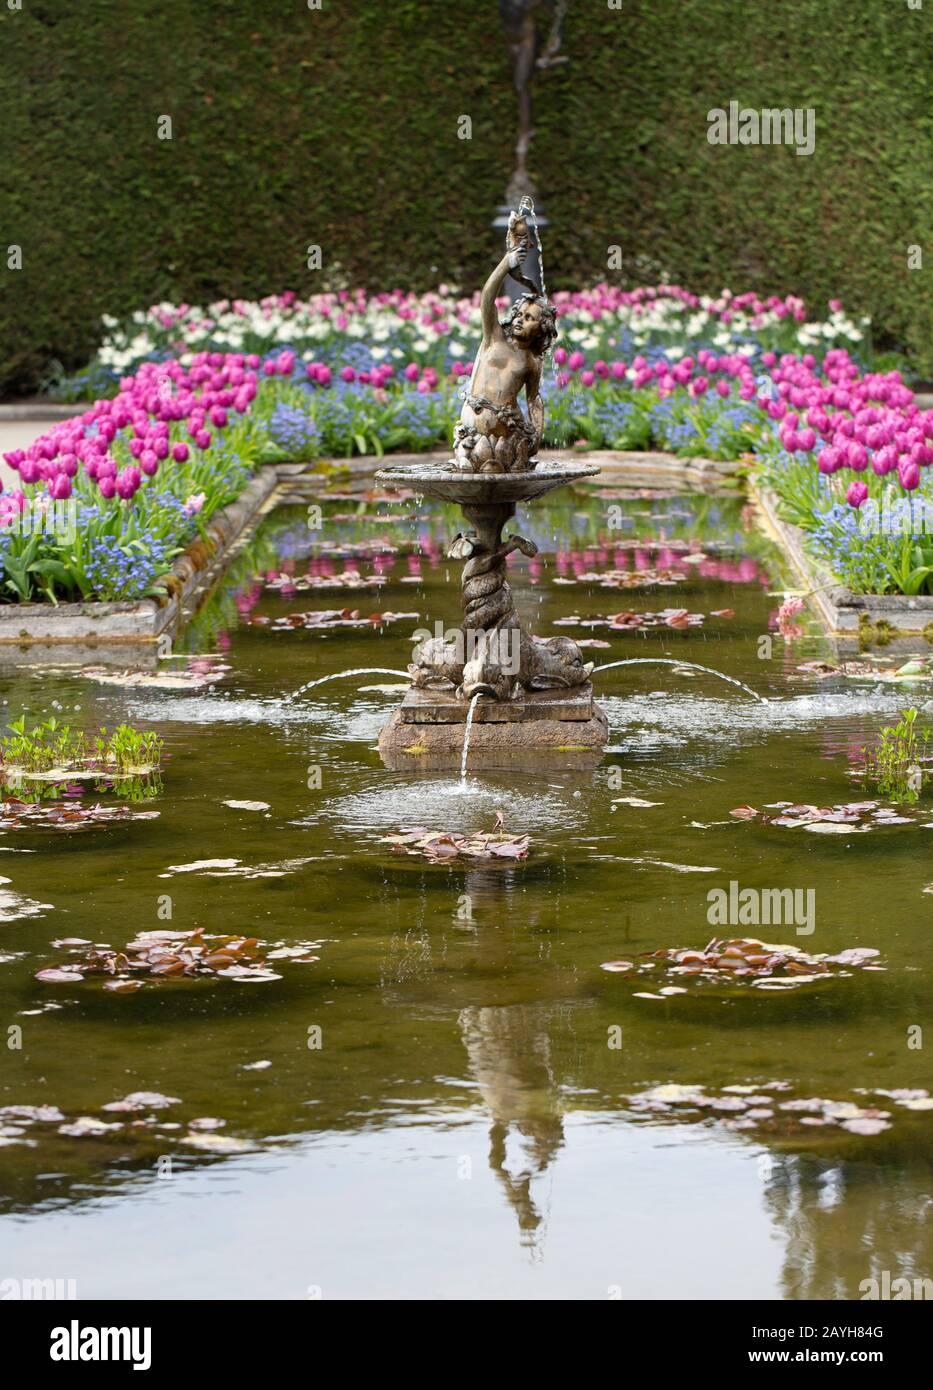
[(338, 127)]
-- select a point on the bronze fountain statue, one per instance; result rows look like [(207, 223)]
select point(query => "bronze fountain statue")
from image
[(496, 466), (493, 435)]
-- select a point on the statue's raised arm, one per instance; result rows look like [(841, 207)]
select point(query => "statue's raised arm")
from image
[(493, 435), (512, 260)]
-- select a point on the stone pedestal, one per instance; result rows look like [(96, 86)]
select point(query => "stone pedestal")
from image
[(546, 728), (536, 711)]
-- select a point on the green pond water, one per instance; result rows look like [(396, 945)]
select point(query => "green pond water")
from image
[(465, 1127)]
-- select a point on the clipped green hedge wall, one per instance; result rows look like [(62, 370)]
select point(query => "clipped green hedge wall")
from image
[(338, 127)]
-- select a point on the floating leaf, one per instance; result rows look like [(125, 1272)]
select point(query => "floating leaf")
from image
[(201, 674), (42, 1114), (87, 1125), (860, 1126), (437, 845), (142, 1100), (216, 1143)]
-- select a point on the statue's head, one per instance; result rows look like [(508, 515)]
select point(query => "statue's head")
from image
[(532, 322)]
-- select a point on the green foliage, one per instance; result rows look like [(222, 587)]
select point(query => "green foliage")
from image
[(338, 127), (896, 764), (51, 745)]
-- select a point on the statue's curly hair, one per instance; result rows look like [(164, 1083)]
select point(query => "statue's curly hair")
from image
[(547, 336)]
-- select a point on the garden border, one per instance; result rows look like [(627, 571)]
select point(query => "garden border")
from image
[(843, 612), (145, 620)]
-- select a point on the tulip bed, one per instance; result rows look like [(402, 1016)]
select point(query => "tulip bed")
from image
[(146, 466), (358, 336), (848, 456)]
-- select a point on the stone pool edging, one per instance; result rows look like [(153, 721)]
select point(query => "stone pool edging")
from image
[(844, 613), (139, 622)]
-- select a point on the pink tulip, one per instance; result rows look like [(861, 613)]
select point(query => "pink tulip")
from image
[(128, 482), (909, 475)]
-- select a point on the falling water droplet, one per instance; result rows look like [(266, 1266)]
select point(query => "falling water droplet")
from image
[(466, 737)]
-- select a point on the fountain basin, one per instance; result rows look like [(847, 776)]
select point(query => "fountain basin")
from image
[(449, 484)]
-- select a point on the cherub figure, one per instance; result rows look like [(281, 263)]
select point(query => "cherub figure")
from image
[(493, 435)]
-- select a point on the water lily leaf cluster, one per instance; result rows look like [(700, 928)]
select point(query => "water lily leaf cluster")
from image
[(760, 963), (64, 815), (21, 1124), (165, 954), (348, 579), (676, 618), (439, 845), (326, 618), (849, 818), (759, 1107)]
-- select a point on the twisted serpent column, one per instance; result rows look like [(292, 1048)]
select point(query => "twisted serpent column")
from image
[(486, 595)]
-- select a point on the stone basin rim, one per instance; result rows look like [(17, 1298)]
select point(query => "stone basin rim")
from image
[(452, 485), (439, 472)]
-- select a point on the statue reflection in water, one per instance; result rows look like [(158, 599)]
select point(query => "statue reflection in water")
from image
[(509, 1052)]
